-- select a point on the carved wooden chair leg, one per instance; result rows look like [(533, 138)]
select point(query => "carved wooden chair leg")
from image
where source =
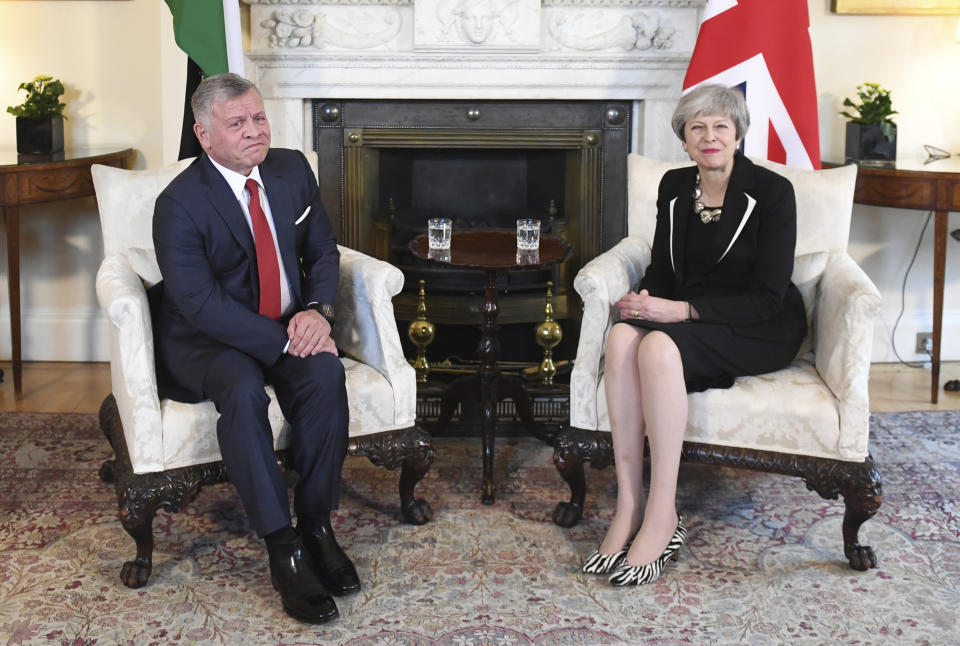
[(859, 484), (416, 511), (136, 505), (571, 449), (136, 516), (862, 495), (412, 450), (141, 496)]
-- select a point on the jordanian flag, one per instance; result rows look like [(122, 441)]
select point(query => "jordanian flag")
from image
[(209, 32)]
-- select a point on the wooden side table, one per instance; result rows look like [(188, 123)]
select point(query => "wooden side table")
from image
[(492, 252), (913, 185), (63, 177)]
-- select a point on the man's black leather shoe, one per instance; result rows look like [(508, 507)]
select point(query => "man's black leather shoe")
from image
[(293, 574), (334, 567)]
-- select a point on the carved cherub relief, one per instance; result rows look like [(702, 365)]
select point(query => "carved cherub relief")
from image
[(634, 31), (350, 29)]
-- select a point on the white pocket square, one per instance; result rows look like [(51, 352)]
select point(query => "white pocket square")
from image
[(302, 216)]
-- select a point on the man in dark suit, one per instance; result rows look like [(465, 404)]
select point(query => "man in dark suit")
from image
[(250, 270)]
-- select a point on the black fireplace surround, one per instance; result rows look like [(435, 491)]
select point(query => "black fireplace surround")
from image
[(387, 166)]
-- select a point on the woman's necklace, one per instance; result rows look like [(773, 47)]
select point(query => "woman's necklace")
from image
[(706, 215)]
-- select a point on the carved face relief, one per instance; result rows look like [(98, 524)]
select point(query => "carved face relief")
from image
[(476, 20)]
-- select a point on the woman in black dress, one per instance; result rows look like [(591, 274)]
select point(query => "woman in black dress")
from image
[(715, 303)]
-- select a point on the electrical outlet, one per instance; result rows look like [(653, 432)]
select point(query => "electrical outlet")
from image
[(924, 343)]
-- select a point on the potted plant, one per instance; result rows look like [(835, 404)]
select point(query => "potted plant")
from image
[(40, 117), (871, 133)]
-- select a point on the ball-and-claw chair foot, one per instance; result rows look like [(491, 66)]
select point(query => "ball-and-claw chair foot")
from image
[(567, 514), (571, 449), (861, 557), (107, 472), (136, 573), (418, 512)]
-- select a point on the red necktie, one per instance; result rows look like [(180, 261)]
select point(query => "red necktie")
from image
[(267, 263)]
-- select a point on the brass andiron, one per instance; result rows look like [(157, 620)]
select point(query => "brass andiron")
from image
[(549, 334), (421, 332)]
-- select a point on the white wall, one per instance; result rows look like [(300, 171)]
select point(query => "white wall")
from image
[(918, 59), (125, 78), (121, 70)]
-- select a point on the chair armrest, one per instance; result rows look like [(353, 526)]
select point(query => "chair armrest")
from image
[(600, 283), (123, 299), (847, 304), (366, 328)]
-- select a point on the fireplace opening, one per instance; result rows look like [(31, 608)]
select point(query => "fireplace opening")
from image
[(482, 188), (476, 189)]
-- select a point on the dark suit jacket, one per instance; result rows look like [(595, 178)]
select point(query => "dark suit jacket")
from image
[(748, 286), (207, 257)]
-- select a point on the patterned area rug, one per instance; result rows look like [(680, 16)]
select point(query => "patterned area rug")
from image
[(763, 563)]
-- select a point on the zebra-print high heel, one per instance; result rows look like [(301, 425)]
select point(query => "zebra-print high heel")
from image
[(598, 563), (627, 574)]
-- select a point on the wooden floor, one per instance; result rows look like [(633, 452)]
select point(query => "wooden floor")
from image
[(56, 387), (63, 387)]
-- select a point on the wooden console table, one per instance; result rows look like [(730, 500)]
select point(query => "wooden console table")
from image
[(66, 177), (913, 185)]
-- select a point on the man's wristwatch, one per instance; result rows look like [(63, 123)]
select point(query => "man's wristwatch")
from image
[(325, 310)]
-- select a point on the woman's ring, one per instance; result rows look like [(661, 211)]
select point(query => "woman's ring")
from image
[(316, 338), (636, 314)]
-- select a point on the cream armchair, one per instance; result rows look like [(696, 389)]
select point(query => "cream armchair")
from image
[(810, 419), (165, 451)]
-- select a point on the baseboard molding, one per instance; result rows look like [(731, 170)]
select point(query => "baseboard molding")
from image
[(58, 334), (911, 324)]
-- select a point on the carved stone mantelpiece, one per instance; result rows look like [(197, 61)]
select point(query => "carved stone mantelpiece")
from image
[(636, 50), (475, 25)]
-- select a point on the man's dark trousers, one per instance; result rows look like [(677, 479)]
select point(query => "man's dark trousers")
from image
[(312, 397)]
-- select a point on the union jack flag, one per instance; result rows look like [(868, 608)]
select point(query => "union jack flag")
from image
[(763, 47)]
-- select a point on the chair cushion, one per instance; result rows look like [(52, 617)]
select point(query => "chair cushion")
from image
[(125, 199), (144, 263), (643, 183), (190, 430), (805, 421), (824, 205)]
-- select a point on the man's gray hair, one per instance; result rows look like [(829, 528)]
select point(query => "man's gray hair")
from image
[(219, 87), (712, 99)]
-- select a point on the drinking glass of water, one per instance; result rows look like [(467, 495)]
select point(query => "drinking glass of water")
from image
[(439, 230), (528, 234), (528, 256)]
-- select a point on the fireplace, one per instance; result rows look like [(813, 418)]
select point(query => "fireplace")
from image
[(387, 166), (538, 63)]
